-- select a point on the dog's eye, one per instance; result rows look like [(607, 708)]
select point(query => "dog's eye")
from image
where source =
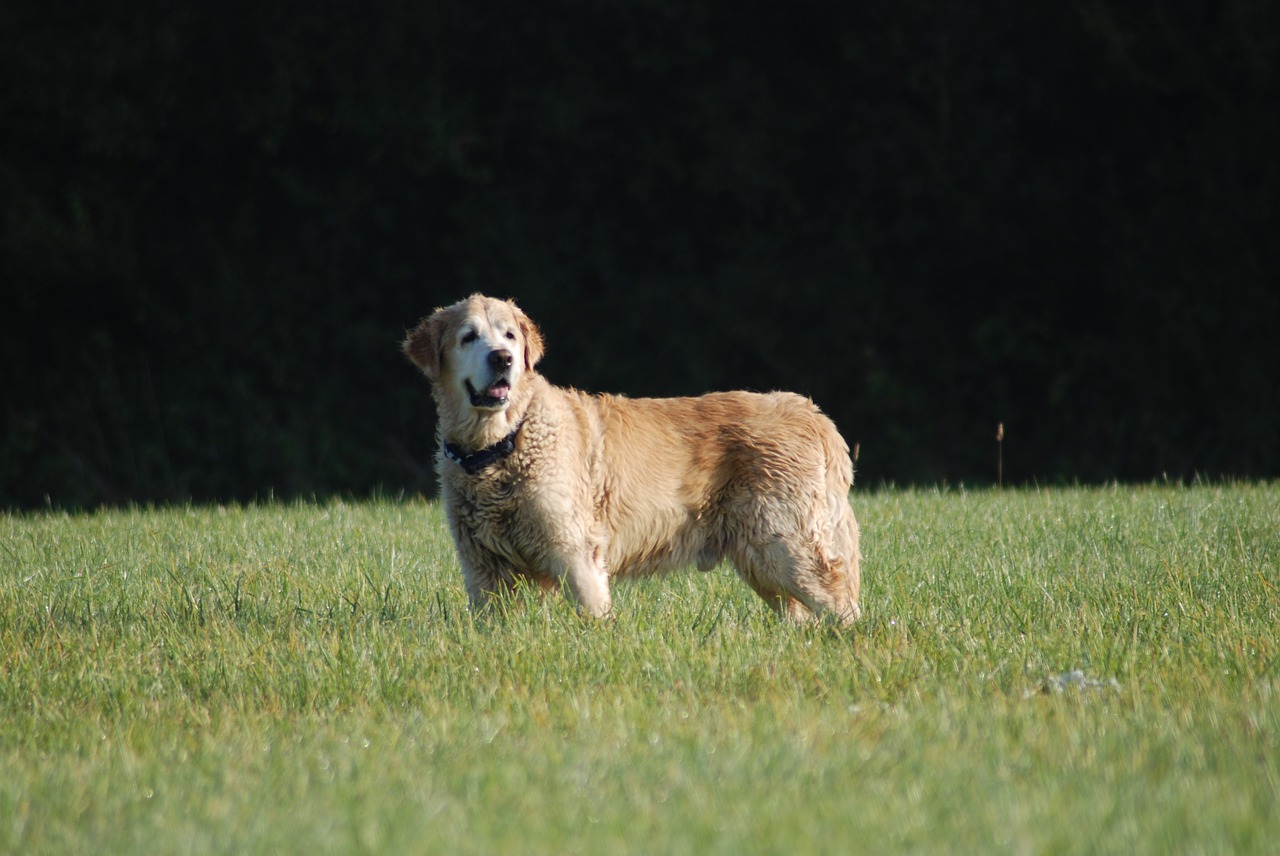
[(511, 336), (470, 337)]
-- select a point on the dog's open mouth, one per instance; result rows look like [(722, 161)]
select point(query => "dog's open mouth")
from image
[(494, 395)]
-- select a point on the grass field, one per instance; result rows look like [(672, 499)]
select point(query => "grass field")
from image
[(306, 679)]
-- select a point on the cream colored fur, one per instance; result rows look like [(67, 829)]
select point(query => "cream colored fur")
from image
[(602, 486)]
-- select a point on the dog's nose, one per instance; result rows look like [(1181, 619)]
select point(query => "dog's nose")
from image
[(500, 359)]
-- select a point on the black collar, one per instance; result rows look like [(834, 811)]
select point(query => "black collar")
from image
[(477, 461)]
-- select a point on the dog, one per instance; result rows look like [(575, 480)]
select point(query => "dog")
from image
[(569, 490)]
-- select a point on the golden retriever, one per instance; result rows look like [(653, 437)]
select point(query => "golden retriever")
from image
[(566, 489)]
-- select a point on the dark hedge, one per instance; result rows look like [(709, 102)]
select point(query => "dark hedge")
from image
[(930, 217)]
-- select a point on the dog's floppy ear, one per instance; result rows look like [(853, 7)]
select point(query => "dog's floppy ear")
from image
[(533, 346), (425, 344)]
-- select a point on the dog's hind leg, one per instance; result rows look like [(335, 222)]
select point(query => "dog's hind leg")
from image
[(802, 579), (749, 565), (820, 562), (847, 550)]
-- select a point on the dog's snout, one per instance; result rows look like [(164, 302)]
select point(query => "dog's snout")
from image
[(500, 359)]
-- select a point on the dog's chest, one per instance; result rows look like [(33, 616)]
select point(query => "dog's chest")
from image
[(532, 506), (493, 513)]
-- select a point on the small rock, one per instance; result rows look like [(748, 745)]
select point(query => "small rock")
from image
[(1075, 679)]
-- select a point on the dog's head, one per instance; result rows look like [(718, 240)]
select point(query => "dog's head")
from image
[(477, 349)]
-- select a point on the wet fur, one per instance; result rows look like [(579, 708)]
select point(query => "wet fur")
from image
[(603, 486)]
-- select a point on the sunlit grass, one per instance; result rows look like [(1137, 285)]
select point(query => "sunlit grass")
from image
[(306, 678)]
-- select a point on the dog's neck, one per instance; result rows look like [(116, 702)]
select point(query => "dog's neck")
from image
[(481, 459)]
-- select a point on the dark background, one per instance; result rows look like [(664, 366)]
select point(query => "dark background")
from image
[(931, 217)]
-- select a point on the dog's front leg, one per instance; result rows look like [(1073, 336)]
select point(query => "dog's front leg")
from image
[(486, 584), (584, 574), (487, 576)]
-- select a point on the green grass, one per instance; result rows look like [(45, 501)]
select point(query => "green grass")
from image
[(306, 679)]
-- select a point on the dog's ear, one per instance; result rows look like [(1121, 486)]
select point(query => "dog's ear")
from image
[(425, 344), (533, 346)]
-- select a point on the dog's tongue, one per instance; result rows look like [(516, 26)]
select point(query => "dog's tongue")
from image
[(498, 390)]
